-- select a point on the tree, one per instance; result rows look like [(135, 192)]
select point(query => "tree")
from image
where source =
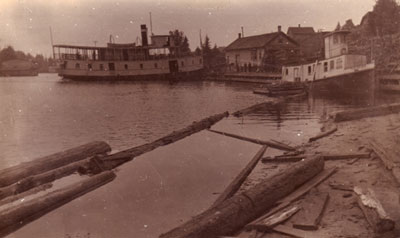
[(180, 41), (386, 17), (7, 53)]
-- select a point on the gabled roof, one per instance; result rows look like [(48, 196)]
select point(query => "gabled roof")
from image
[(300, 30), (257, 41)]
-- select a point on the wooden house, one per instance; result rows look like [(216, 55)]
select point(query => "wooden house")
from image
[(311, 42), (261, 53)]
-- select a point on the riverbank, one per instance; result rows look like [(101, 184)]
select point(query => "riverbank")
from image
[(343, 217)]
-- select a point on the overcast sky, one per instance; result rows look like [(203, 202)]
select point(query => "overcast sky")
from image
[(24, 24)]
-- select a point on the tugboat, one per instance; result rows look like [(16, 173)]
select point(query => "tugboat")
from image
[(338, 72), (159, 60)]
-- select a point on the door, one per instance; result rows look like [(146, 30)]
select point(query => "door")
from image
[(111, 66), (173, 66)]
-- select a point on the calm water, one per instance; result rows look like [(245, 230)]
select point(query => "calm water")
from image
[(160, 189)]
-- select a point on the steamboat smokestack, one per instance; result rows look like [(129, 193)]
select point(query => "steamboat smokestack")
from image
[(143, 29)]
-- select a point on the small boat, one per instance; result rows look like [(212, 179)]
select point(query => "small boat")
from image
[(161, 59), (338, 72), (282, 89), (389, 80)]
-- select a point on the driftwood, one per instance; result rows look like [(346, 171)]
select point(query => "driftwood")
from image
[(313, 208), (366, 112), (240, 178), (373, 210), (13, 174), (15, 217), (276, 145), (305, 188), (25, 194), (341, 186), (388, 157), (296, 158), (234, 213), (268, 223), (323, 134)]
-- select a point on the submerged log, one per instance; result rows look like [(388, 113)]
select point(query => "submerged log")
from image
[(15, 217), (323, 134), (256, 107), (240, 178), (366, 112), (14, 174), (276, 145), (234, 213), (373, 210)]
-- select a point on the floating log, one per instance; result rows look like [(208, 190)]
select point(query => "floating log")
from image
[(296, 158), (373, 210), (234, 213), (102, 163), (25, 194), (366, 112), (240, 178), (14, 174), (15, 217), (305, 188), (275, 145), (323, 134), (256, 107), (268, 223), (313, 208)]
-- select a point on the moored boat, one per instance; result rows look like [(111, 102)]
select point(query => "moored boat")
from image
[(339, 71), (159, 60)]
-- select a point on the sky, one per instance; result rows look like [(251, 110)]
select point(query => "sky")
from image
[(25, 24)]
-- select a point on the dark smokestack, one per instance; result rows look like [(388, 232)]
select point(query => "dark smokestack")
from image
[(299, 25), (239, 35), (143, 29), (279, 28)]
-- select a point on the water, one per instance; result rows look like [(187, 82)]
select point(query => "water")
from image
[(163, 188)]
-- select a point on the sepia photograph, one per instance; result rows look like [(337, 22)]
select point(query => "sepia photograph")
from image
[(199, 118)]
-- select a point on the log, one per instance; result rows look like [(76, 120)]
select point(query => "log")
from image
[(341, 186), (275, 145), (296, 158), (256, 107), (13, 174), (240, 178), (25, 194), (346, 156), (305, 188), (366, 112), (293, 232), (234, 213), (284, 159), (323, 134), (387, 158), (268, 223), (373, 210), (313, 208), (18, 216)]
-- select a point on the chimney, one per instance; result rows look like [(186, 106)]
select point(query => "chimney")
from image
[(143, 29), (239, 35), (299, 25), (279, 28)]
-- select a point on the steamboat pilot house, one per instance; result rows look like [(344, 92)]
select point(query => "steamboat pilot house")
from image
[(339, 71), (159, 60)]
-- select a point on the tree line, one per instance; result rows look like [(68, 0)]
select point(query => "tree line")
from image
[(41, 62)]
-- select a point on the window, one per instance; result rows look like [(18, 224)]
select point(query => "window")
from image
[(332, 64), (141, 66), (200, 61), (89, 67), (335, 39), (253, 55), (126, 66), (77, 66), (325, 66), (309, 70), (339, 63), (155, 65), (287, 71), (111, 66), (101, 67), (182, 64)]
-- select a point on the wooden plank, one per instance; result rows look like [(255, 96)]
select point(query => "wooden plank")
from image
[(323, 134), (231, 215), (240, 178), (379, 150), (14, 174), (313, 208), (275, 145), (293, 232), (268, 223), (18, 216), (305, 188), (296, 158), (373, 210)]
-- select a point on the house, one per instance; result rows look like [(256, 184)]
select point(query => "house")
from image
[(311, 42), (261, 53)]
